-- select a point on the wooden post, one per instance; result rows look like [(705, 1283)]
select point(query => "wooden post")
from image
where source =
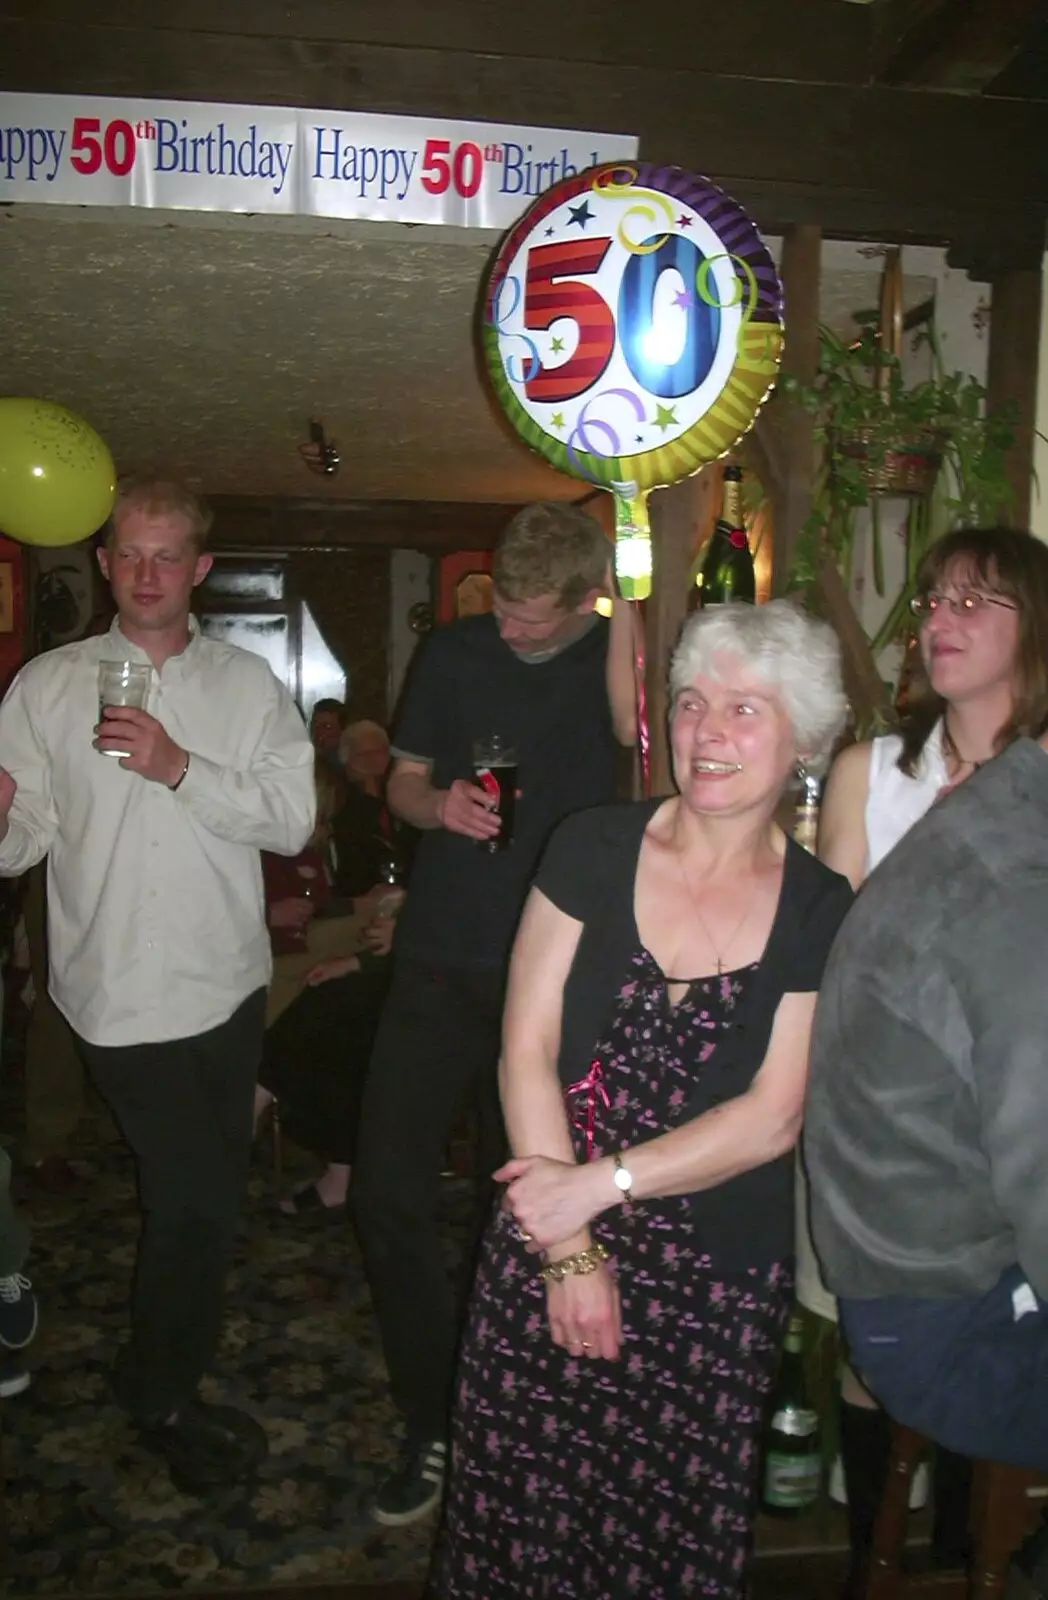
[(863, 684), (677, 514), (1015, 336), (795, 456)]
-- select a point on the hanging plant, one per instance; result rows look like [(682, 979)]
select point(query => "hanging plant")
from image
[(933, 443)]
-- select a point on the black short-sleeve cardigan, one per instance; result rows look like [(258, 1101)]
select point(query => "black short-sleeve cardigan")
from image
[(589, 872)]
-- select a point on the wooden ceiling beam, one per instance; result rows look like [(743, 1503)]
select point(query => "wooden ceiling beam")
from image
[(959, 46), (825, 141), (826, 41), (259, 523)]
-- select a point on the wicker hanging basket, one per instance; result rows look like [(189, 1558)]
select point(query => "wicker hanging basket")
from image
[(909, 464)]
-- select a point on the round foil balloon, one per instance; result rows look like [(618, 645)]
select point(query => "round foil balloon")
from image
[(632, 329), (57, 478)]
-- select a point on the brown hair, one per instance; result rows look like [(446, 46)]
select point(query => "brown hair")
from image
[(1013, 564), (159, 497), (550, 548), (331, 795)]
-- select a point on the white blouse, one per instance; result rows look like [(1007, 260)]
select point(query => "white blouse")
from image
[(895, 802)]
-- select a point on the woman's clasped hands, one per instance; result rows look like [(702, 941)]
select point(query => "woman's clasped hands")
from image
[(552, 1203)]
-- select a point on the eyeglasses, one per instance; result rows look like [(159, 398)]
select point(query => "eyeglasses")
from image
[(969, 604)]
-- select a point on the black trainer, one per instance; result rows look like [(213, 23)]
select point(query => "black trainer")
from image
[(18, 1311), (415, 1486)]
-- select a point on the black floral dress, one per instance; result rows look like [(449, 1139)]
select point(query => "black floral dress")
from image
[(582, 1479)]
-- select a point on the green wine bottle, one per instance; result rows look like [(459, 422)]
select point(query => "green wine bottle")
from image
[(793, 1454), (727, 570)]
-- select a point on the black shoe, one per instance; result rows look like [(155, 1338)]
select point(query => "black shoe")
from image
[(207, 1446), (414, 1487), (229, 1427), (194, 1465)]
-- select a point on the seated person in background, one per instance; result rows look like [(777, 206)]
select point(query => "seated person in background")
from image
[(926, 1136), (363, 831), (315, 1061), (317, 1049), (296, 888)]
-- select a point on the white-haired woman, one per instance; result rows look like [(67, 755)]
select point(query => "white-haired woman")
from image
[(633, 1290)]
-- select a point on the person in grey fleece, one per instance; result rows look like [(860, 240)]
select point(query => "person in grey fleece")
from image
[(926, 1129)]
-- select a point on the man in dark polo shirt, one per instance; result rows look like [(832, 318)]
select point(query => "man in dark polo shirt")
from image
[(556, 681)]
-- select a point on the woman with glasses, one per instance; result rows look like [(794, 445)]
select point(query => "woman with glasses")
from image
[(981, 605)]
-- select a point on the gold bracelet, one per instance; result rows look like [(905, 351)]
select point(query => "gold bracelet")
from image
[(581, 1262)]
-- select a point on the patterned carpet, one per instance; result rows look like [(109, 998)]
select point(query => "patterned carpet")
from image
[(89, 1509)]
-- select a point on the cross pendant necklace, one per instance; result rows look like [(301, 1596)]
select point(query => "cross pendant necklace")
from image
[(717, 955)]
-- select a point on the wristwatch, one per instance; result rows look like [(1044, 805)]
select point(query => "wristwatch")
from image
[(623, 1181)]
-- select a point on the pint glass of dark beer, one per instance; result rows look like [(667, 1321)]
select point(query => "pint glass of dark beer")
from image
[(495, 770)]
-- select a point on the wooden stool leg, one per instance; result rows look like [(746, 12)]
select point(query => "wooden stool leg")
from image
[(889, 1533), (1000, 1520)]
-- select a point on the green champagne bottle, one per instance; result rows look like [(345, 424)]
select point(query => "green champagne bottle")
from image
[(793, 1454), (727, 570)]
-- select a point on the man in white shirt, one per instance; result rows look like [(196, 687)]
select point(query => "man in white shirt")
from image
[(159, 956)]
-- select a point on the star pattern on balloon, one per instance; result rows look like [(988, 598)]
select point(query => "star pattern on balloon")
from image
[(550, 232), (665, 417), (581, 214), (684, 222), (684, 297), (557, 420), (556, 345)]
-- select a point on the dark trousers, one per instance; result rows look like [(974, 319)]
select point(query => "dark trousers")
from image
[(971, 1373), (315, 1060), (437, 1047), (185, 1108)]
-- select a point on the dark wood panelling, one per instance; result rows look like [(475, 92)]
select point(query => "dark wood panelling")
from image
[(859, 160), (1015, 326), (348, 593), (823, 42), (247, 523), (945, 45)]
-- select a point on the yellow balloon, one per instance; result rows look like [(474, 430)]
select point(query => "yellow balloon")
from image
[(57, 478)]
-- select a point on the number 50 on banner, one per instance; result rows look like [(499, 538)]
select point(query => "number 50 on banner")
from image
[(92, 145)]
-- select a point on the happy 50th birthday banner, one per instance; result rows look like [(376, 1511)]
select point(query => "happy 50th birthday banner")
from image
[(199, 156)]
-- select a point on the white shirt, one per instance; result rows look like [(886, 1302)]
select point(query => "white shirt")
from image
[(156, 918), (894, 800)]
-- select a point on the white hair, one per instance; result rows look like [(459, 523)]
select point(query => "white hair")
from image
[(357, 733), (790, 652)]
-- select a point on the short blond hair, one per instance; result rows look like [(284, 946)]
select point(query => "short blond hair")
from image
[(161, 496), (551, 548)]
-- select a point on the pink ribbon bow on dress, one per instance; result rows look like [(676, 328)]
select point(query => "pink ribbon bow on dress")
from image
[(584, 1117)]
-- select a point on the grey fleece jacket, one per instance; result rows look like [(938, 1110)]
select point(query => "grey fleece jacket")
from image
[(926, 1132)]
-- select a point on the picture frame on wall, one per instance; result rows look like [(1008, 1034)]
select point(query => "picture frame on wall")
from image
[(473, 594)]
